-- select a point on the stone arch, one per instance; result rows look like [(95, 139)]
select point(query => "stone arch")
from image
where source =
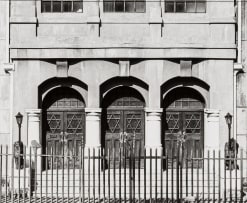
[(132, 82), (190, 82), (183, 102), (63, 115), (122, 113), (48, 85)]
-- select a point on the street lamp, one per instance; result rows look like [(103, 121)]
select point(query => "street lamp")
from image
[(18, 145), (228, 118), (19, 118)]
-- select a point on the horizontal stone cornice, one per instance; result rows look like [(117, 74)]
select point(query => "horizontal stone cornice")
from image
[(99, 44), (93, 53)]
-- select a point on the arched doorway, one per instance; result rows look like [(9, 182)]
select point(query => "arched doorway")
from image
[(63, 125), (123, 113), (183, 114)]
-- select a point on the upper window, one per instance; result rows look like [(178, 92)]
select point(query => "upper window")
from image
[(131, 6), (181, 6), (58, 6)]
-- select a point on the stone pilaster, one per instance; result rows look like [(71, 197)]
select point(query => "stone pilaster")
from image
[(33, 133), (93, 127), (153, 127), (33, 125), (212, 130), (153, 137)]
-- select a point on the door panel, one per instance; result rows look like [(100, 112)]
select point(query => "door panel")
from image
[(121, 121), (191, 122), (65, 137)]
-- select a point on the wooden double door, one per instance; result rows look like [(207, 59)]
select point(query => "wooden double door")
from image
[(64, 137), (124, 134), (184, 127)]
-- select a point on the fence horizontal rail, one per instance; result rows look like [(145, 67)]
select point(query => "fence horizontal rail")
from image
[(96, 175)]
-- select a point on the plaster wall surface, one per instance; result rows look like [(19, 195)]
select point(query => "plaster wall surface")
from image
[(153, 42), (4, 78), (30, 74), (242, 86)]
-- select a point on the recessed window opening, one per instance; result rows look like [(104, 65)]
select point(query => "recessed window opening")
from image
[(129, 6), (181, 6), (64, 6)]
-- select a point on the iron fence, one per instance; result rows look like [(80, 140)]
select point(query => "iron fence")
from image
[(93, 175)]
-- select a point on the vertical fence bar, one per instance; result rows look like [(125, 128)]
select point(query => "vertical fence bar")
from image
[(241, 175), (167, 167), (93, 175), (30, 175), (80, 176), (36, 175), (133, 173), (24, 171), (230, 170), (109, 182), (139, 175), (225, 176), (57, 163), (181, 175), (1, 168), (83, 174), (156, 175), (88, 172), (12, 173), (6, 174), (73, 162), (177, 172), (208, 160), (161, 175), (114, 175), (125, 156), (192, 172), (52, 167), (145, 180), (203, 177), (68, 172), (150, 173), (99, 158), (186, 172), (41, 178), (236, 175), (172, 173), (219, 178), (63, 158), (103, 159), (120, 175), (19, 175), (197, 175), (130, 177), (213, 175)]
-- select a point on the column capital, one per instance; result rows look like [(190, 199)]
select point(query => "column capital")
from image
[(212, 112), (33, 111), (153, 110), (93, 110)]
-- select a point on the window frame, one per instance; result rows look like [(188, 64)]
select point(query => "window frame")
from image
[(196, 2), (51, 10), (124, 3)]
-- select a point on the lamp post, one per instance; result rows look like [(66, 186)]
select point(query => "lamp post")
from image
[(228, 118), (19, 118), (18, 145)]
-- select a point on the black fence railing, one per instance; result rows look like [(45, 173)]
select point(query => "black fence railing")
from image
[(95, 176)]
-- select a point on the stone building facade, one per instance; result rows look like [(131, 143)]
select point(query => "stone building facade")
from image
[(88, 72)]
